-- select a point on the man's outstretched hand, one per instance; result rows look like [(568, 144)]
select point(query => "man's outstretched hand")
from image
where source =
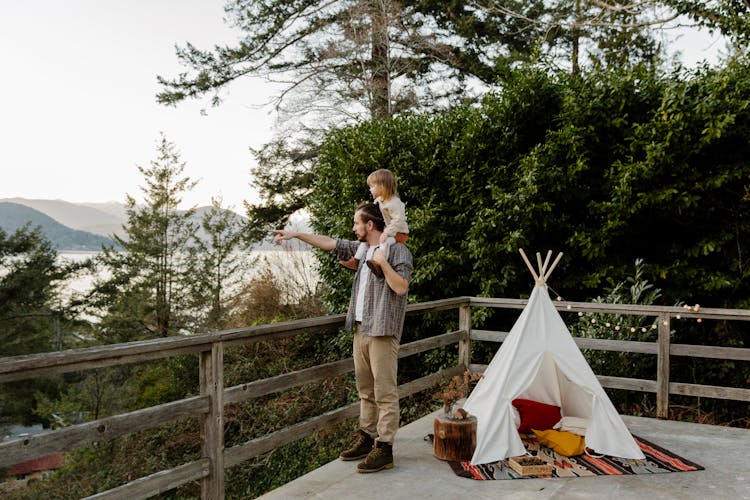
[(281, 235)]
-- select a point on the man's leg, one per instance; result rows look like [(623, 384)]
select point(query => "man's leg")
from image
[(384, 363), (368, 412)]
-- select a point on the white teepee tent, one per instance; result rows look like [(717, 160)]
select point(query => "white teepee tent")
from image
[(540, 361)]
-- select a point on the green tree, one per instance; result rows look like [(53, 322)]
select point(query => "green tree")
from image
[(344, 57), (730, 17), (221, 261), (147, 287), (348, 60), (35, 315), (608, 168)]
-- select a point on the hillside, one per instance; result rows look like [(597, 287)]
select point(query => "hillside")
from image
[(103, 219), (106, 219), (15, 215)]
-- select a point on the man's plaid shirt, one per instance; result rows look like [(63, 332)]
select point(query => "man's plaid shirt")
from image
[(384, 310)]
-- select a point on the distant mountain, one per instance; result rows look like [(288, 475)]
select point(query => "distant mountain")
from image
[(104, 219), (16, 215)]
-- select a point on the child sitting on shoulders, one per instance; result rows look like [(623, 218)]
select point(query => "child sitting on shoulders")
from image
[(382, 185)]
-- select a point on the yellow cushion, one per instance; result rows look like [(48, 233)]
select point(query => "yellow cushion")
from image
[(563, 442)]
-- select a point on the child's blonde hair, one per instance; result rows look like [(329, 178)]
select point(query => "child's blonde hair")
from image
[(386, 180)]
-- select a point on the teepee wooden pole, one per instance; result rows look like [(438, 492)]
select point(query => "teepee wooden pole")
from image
[(528, 264), (559, 256), (539, 263), (546, 261)]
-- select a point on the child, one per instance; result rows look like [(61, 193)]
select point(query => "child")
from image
[(382, 185)]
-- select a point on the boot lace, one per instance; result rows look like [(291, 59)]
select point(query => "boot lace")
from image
[(374, 455), (360, 440)]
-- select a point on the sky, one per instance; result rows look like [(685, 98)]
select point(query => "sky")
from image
[(79, 113)]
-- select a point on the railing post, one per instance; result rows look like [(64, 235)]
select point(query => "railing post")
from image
[(662, 368), (212, 423), (464, 343)]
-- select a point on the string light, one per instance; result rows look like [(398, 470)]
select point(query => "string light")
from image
[(643, 329)]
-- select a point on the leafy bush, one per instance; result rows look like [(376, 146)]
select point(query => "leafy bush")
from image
[(608, 168)]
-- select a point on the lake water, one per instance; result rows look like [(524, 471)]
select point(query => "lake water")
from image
[(296, 270)]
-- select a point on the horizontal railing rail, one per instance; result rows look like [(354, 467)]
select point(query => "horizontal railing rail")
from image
[(213, 397)]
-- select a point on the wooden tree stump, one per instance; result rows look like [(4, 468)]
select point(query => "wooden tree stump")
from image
[(455, 439)]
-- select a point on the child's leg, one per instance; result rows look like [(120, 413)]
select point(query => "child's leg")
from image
[(402, 237), (353, 263), (384, 247)]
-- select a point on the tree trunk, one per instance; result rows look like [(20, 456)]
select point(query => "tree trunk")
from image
[(576, 35), (455, 439), (380, 106)]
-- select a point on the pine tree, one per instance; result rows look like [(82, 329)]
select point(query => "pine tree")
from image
[(220, 265), (148, 288), (33, 312), (34, 315)]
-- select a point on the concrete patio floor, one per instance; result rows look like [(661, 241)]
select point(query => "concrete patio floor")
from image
[(418, 474)]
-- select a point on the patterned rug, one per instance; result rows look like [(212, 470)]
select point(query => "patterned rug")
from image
[(658, 460)]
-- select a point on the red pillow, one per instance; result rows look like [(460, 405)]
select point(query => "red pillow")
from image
[(536, 415)]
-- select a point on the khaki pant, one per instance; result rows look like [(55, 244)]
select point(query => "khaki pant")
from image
[(375, 367)]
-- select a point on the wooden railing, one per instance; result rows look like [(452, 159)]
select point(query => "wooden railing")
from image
[(213, 396)]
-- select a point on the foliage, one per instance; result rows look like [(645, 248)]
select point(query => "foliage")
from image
[(147, 291), (636, 289), (35, 314), (345, 57), (348, 60), (577, 34), (219, 264), (729, 17), (608, 168), (458, 387), (283, 177)]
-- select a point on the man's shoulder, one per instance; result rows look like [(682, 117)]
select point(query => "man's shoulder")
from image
[(344, 241), (402, 249), (342, 244)]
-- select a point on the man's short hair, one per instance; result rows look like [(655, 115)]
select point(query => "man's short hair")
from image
[(371, 212)]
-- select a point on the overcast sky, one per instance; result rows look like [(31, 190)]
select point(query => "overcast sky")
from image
[(79, 112)]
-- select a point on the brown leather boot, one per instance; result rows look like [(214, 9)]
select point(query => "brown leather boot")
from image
[(381, 457), (363, 444)]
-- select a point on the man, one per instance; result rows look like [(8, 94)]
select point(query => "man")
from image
[(376, 315)]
